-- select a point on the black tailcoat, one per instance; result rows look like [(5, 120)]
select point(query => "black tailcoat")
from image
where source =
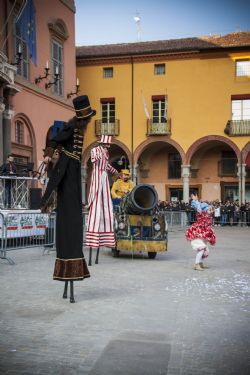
[(66, 179)]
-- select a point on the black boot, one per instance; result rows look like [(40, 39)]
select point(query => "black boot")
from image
[(65, 292), (72, 299)]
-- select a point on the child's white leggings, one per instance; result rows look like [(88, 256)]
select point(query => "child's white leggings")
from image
[(200, 245)]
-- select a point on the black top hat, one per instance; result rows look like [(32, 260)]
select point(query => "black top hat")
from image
[(82, 107)]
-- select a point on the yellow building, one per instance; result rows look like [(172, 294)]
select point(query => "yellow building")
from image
[(179, 111)]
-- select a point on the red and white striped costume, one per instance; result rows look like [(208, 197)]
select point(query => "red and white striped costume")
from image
[(100, 231)]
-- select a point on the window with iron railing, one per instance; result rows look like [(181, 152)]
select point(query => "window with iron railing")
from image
[(243, 68), (19, 126), (159, 111), (227, 166), (174, 165), (159, 69), (241, 109), (108, 112), (23, 66), (57, 66), (239, 125), (108, 72), (108, 124)]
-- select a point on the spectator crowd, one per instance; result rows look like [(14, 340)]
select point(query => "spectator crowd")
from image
[(224, 213)]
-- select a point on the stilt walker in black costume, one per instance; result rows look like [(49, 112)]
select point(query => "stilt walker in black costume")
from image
[(65, 178)]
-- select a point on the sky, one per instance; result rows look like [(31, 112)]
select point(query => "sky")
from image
[(112, 21)]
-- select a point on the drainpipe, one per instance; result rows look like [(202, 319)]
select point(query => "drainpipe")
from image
[(243, 180), (134, 177)]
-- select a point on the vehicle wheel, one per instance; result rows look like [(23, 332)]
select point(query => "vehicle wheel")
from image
[(152, 254), (115, 253)]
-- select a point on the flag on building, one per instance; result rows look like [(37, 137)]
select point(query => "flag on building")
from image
[(26, 24), (145, 106)]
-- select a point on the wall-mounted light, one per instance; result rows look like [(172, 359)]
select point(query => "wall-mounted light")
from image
[(46, 69), (57, 76), (77, 89), (122, 161)]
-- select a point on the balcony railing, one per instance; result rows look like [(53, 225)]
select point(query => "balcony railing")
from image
[(237, 128), (102, 128), (161, 128)]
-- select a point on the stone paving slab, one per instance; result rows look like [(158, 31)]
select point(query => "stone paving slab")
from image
[(191, 322), (127, 357)]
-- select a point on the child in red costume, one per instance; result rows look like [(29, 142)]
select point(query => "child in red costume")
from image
[(201, 232)]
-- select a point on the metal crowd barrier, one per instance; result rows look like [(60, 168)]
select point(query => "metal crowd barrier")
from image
[(14, 191), (177, 220), (26, 229)]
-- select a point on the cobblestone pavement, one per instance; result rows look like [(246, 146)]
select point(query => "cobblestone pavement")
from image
[(133, 316)]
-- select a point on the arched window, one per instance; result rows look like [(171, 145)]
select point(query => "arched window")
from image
[(22, 134), (19, 132), (23, 142)]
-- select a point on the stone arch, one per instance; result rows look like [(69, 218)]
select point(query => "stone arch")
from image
[(59, 28), (245, 152), (139, 149), (86, 153), (195, 146), (25, 119)]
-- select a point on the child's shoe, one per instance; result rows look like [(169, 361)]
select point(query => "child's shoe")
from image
[(203, 266), (197, 267)]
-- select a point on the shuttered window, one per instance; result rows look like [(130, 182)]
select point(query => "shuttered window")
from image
[(57, 65), (108, 111), (23, 66), (159, 109)]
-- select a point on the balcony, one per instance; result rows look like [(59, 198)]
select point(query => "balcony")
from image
[(102, 128), (161, 128), (237, 128)]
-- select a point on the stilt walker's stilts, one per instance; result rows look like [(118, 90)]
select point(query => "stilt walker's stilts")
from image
[(90, 256), (97, 255), (65, 292), (72, 299)]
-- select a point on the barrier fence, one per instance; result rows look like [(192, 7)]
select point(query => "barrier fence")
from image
[(35, 229), (25, 229), (177, 220), (185, 218)]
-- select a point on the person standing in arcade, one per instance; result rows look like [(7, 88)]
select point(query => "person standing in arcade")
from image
[(100, 229), (65, 178), (8, 169)]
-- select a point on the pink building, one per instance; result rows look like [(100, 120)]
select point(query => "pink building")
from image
[(30, 101)]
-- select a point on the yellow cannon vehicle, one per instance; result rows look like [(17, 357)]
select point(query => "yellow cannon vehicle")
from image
[(139, 225)]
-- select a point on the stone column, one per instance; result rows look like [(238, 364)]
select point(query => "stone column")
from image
[(84, 180), (239, 174), (2, 108), (243, 183), (243, 171), (7, 116), (185, 176), (134, 173)]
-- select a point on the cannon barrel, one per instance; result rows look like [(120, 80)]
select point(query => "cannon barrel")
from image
[(142, 199)]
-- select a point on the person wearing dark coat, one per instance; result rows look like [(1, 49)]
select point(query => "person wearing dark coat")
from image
[(8, 169), (65, 178)]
